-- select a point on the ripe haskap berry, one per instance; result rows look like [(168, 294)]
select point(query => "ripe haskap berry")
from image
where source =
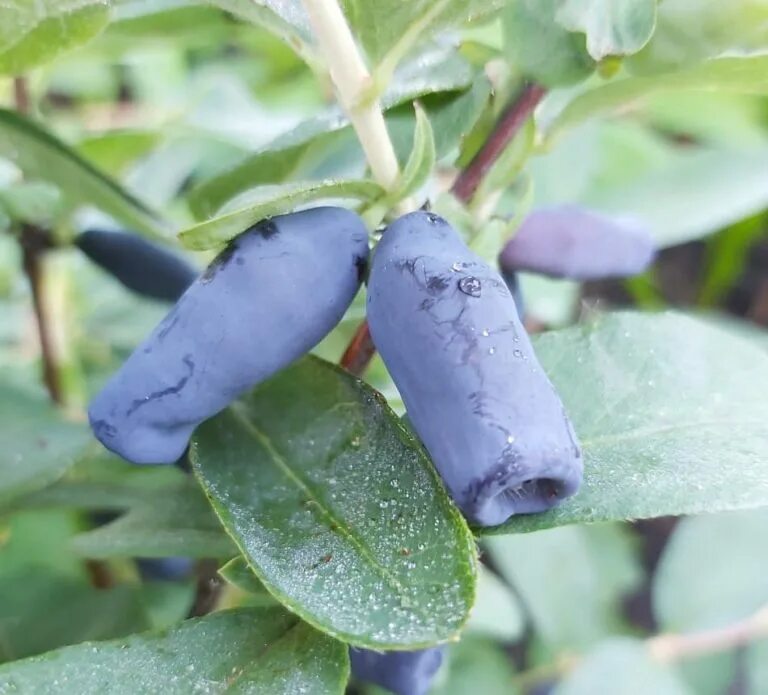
[(165, 568), (404, 673), (576, 243), (142, 266), (512, 281), (448, 331), (270, 297)]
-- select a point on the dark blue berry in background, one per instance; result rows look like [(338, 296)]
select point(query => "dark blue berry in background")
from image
[(144, 267), (572, 242), (403, 673), (448, 331), (269, 298), (165, 568)]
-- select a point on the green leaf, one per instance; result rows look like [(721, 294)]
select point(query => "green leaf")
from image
[(38, 444), (41, 610), (748, 75), (33, 202), (393, 26), (757, 667), (613, 27), (273, 200), (476, 665), (40, 155), (671, 413), (712, 571), (243, 651), (627, 665), (695, 194), (420, 162), (541, 48), (548, 569), (117, 149), (497, 612), (305, 149), (240, 575), (286, 19), (337, 509), (171, 522), (32, 33), (693, 30)]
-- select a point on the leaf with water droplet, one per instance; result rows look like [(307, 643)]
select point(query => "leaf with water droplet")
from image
[(323, 549)]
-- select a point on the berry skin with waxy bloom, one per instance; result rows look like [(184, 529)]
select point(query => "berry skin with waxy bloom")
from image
[(449, 333), (270, 297)]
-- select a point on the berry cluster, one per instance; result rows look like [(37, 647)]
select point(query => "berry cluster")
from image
[(447, 325)]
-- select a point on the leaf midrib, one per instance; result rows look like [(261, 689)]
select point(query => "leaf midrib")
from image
[(343, 530)]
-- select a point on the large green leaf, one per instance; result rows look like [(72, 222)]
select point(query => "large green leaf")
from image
[(744, 74), (548, 569), (172, 521), (627, 666), (712, 571), (338, 510), (671, 413), (38, 444), (540, 47), (240, 651), (32, 33), (41, 155), (613, 27), (273, 200)]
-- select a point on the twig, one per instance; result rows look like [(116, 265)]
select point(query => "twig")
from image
[(675, 647), (508, 125), (361, 350), (353, 83)]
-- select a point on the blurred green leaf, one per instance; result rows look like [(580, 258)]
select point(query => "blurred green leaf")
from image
[(476, 665), (273, 200), (613, 28), (671, 413), (40, 155), (694, 195), (710, 572), (337, 509), (303, 150), (32, 202), (171, 522), (116, 149), (757, 667), (38, 444), (627, 665), (245, 650), (392, 27), (240, 575), (41, 610), (32, 33), (421, 161), (692, 30), (747, 74), (552, 568), (497, 611), (540, 47)]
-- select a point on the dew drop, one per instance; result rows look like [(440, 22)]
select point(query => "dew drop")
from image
[(471, 286), (486, 332)]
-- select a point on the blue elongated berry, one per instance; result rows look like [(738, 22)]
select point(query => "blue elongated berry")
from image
[(142, 266), (165, 568), (572, 242), (404, 673), (270, 297), (449, 333)]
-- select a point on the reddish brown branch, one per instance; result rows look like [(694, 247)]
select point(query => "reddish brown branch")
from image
[(508, 125), (361, 349)]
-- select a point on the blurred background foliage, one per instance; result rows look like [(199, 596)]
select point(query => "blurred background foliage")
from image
[(189, 106)]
